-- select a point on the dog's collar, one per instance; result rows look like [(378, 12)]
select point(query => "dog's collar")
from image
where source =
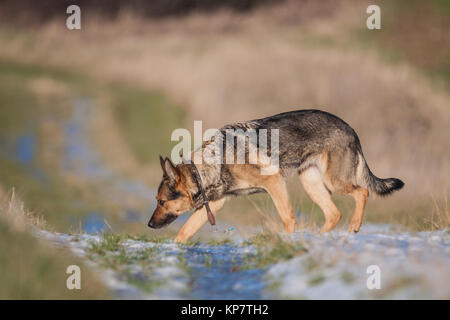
[(199, 183)]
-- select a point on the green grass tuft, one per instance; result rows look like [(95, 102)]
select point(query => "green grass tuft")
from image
[(271, 249)]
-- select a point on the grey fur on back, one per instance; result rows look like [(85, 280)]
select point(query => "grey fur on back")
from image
[(305, 134)]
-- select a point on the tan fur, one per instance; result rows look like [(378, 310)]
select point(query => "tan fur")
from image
[(196, 221), (360, 195)]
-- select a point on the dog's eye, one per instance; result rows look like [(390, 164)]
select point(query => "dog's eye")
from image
[(161, 202)]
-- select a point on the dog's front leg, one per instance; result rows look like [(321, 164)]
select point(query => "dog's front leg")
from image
[(196, 221)]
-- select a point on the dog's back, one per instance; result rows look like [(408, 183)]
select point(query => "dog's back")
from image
[(314, 138), (306, 133)]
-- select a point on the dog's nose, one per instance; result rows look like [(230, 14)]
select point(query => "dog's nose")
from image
[(150, 224)]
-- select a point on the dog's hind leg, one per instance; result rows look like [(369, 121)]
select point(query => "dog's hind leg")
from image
[(360, 195), (196, 221), (276, 187), (313, 184)]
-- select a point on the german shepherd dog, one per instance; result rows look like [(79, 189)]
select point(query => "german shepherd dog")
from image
[(319, 147)]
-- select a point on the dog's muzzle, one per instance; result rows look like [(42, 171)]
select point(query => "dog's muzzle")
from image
[(169, 218)]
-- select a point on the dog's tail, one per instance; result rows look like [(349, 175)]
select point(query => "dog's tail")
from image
[(382, 187)]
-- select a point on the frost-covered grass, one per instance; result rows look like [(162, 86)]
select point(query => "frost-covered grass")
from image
[(271, 248), (299, 266), (130, 268), (412, 265), (136, 267), (142, 264)]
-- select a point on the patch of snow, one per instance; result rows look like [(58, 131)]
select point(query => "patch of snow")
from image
[(412, 265)]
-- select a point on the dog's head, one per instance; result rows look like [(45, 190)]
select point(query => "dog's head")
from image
[(173, 196)]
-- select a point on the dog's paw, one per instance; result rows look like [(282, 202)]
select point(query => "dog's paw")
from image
[(180, 239), (177, 240), (354, 227)]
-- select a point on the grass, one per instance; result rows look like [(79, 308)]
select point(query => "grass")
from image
[(219, 242), (30, 268), (271, 248), (400, 283), (316, 280), (110, 253), (54, 199), (149, 238), (208, 261), (110, 242), (32, 271), (147, 120), (14, 97), (347, 277)]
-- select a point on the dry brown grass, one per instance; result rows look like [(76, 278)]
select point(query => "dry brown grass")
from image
[(46, 87), (13, 212), (440, 217)]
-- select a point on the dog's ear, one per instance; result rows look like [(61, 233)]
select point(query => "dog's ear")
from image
[(171, 170), (163, 165)]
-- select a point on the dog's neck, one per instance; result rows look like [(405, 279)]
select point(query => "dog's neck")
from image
[(211, 187)]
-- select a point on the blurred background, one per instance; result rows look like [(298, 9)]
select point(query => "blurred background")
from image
[(84, 114)]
